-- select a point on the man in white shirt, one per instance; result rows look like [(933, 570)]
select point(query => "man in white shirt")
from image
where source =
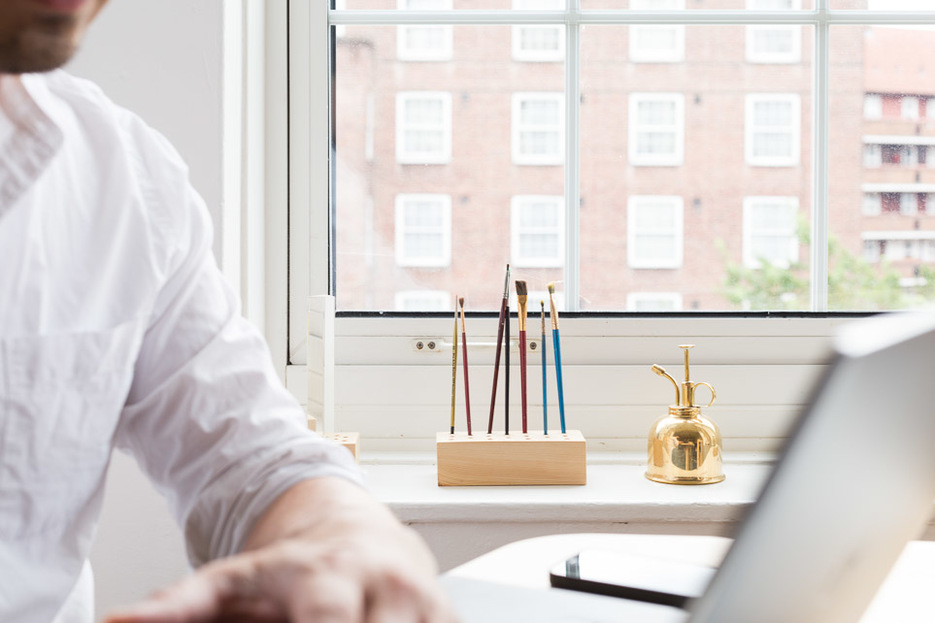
[(116, 330)]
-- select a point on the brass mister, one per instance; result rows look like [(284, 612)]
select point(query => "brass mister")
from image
[(684, 446)]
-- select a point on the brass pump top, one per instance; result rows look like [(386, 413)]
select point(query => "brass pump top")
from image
[(685, 396)]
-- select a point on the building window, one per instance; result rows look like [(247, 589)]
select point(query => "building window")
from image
[(423, 127), (423, 300), (656, 129), (654, 231), (769, 231), (774, 44), (538, 128), (872, 204), (909, 107), (423, 230), (873, 106), (654, 301), (533, 43), (424, 42), (654, 43), (538, 231), (772, 129)]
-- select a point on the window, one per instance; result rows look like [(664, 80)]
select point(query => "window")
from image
[(654, 301), (423, 128), (872, 205), (769, 231), (873, 106), (538, 122), (774, 44), (537, 231), (652, 43), (423, 230), (654, 232), (538, 43), (909, 107), (423, 300), (772, 129), (424, 42), (656, 129), (705, 136)]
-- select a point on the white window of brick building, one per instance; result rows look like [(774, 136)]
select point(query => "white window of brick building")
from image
[(423, 300), (535, 43), (538, 128), (537, 232), (873, 106), (656, 129), (423, 127), (423, 230), (656, 43), (909, 107), (772, 129), (654, 231), (770, 231), (424, 42), (774, 44), (654, 301), (872, 204)]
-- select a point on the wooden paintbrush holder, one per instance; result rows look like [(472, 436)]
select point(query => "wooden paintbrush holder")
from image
[(517, 459)]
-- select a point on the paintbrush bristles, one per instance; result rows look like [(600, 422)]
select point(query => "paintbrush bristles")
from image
[(461, 305), (553, 312), (521, 300)]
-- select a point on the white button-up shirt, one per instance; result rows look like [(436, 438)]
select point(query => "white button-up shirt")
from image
[(117, 330)]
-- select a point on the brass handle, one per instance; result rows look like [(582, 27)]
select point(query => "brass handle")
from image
[(711, 389)]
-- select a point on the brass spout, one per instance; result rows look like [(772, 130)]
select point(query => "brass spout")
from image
[(662, 372)]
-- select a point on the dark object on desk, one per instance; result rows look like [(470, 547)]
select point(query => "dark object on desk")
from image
[(476, 601), (643, 578)]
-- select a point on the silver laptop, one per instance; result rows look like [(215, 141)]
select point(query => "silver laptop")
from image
[(855, 482)]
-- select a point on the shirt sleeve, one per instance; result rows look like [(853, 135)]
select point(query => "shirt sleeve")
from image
[(206, 417)]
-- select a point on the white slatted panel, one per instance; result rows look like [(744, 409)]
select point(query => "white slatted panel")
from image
[(763, 370), (320, 357)]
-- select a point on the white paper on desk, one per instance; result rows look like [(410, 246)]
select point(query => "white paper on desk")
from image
[(476, 601)]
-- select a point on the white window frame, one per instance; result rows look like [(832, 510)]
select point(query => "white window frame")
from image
[(676, 128), (674, 203), (639, 54), (793, 129), (791, 348), (873, 106), (794, 55), (524, 55), (517, 128), (635, 299), (441, 300), (408, 156), (405, 259), (909, 107), (521, 202), (443, 53), (749, 203)]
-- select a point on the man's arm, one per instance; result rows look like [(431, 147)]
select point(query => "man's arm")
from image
[(325, 552)]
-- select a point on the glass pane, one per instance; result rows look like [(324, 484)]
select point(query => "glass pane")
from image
[(696, 253), (428, 5), (661, 5), (882, 223), (883, 5), (481, 175)]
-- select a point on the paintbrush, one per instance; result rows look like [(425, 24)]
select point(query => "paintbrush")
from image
[(454, 370), (558, 354), (521, 323), (467, 393), (506, 368), (545, 392), (496, 362)]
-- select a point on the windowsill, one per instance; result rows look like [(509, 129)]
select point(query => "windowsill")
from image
[(617, 492)]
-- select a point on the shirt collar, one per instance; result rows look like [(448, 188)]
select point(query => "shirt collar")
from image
[(29, 138)]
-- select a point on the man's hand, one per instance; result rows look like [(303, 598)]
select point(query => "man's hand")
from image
[(324, 552)]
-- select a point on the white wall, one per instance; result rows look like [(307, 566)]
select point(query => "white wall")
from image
[(163, 60)]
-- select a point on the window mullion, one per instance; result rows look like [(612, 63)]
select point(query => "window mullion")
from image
[(572, 157), (820, 142)]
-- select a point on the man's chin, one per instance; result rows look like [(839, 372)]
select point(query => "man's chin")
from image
[(37, 50)]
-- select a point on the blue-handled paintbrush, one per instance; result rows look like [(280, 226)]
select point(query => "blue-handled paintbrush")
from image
[(558, 354), (545, 391)]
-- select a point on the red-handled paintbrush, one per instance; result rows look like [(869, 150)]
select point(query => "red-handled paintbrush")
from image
[(521, 323), (467, 394), (496, 361)]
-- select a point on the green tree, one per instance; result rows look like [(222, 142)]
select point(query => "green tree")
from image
[(853, 283)]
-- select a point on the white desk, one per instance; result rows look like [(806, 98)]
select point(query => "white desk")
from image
[(905, 597)]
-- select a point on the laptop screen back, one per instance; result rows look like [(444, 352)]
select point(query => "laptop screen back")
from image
[(856, 481)]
